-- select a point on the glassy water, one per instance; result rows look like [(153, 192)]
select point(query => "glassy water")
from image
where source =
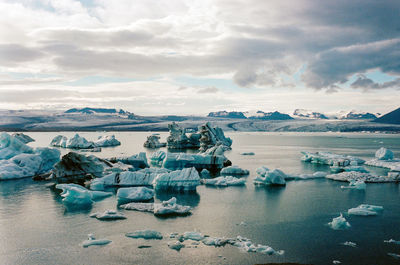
[(35, 228)]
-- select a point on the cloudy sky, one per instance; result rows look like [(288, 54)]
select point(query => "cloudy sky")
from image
[(192, 57)]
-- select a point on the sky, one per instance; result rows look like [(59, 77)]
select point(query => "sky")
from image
[(193, 57)]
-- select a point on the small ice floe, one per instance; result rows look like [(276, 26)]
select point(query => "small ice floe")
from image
[(153, 141), (384, 158), (315, 175), (134, 194), (336, 262), (356, 185), (247, 153), (331, 159), (392, 241), (234, 170), (145, 234), (170, 207), (349, 244), (108, 215), (268, 177), (245, 244), (176, 161), (384, 154), (339, 223), (139, 206), (107, 140), (366, 177), (224, 181), (193, 236), (75, 194), (394, 255), (216, 241), (176, 245), (186, 179), (365, 210), (92, 241)]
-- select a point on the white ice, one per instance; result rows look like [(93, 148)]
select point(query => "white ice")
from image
[(107, 140), (135, 194), (268, 177), (315, 175), (170, 207), (139, 206), (394, 255), (234, 170), (365, 210), (224, 181), (92, 241), (246, 245), (366, 177), (145, 234), (339, 223), (153, 141), (349, 244), (76, 142), (186, 179), (11, 146), (392, 241), (384, 154), (331, 159), (23, 137), (108, 215), (355, 184), (78, 195)]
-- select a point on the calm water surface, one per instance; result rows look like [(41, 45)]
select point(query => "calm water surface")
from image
[(35, 228)]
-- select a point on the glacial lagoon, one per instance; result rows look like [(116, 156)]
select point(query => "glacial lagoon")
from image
[(35, 227)]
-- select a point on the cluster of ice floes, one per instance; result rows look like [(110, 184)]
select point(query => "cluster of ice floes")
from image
[(269, 177), (384, 158), (356, 185), (79, 142), (354, 176), (365, 210), (23, 137), (134, 194), (339, 223), (164, 208), (186, 179), (179, 140), (92, 241), (153, 141), (331, 159), (74, 194), (18, 160), (108, 215), (234, 170), (145, 234), (224, 181), (349, 244), (200, 161)]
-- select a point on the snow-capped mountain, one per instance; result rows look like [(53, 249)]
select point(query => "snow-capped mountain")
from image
[(261, 115), (226, 114), (303, 113)]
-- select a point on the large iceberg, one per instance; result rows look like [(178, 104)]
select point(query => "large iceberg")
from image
[(74, 194), (143, 177), (179, 140), (234, 170), (339, 223), (145, 234), (175, 161), (268, 177), (23, 137), (153, 141), (365, 210), (76, 142), (353, 176), (224, 181), (186, 179), (384, 154), (305, 176), (331, 159), (92, 241), (107, 140), (211, 136), (135, 194), (11, 146)]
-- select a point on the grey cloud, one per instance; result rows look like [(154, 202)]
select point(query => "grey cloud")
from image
[(366, 83), (12, 54), (207, 90)]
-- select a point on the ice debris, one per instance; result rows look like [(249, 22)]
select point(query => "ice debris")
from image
[(394, 255), (365, 210), (366, 177), (137, 161), (92, 241), (248, 246), (392, 241), (176, 245), (268, 177), (107, 140), (224, 181), (11, 146), (193, 236), (134, 194), (331, 159), (165, 208), (234, 170), (336, 262), (145, 234), (355, 184), (153, 141), (349, 244), (315, 175), (384, 154), (205, 174), (108, 215), (186, 179), (339, 223)]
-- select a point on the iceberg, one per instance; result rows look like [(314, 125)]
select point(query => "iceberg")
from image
[(76, 142), (135, 194), (384, 154), (107, 140), (145, 234), (176, 245), (186, 179), (224, 181), (246, 245), (108, 215), (339, 223), (234, 170), (349, 244), (315, 175), (11, 146), (196, 236), (394, 255), (389, 164), (267, 177), (218, 149), (355, 184), (153, 141), (365, 210), (331, 159), (336, 262), (139, 206), (137, 161), (179, 140), (247, 154), (353, 176), (175, 161), (77, 195), (170, 207), (23, 137), (143, 177), (392, 241), (92, 241), (205, 174), (211, 136), (157, 158)]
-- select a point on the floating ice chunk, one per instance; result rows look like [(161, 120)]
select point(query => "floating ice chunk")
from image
[(193, 236), (23, 137), (315, 175), (392, 241), (394, 255), (153, 141), (59, 141), (365, 210), (366, 177), (135, 194), (186, 179), (247, 153), (199, 161), (170, 207), (390, 164), (78, 195), (205, 173), (176, 245), (234, 170), (216, 241), (211, 136), (145, 234), (108, 215), (107, 140), (331, 159), (248, 246), (139, 206), (384, 154), (137, 161), (355, 184), (179, 140), (225, 181), (157, 158), (336, 262), (267, 177), (339, 223), (11, 146), (92, 241), (76, 142), (218, 149), (349, 244)]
